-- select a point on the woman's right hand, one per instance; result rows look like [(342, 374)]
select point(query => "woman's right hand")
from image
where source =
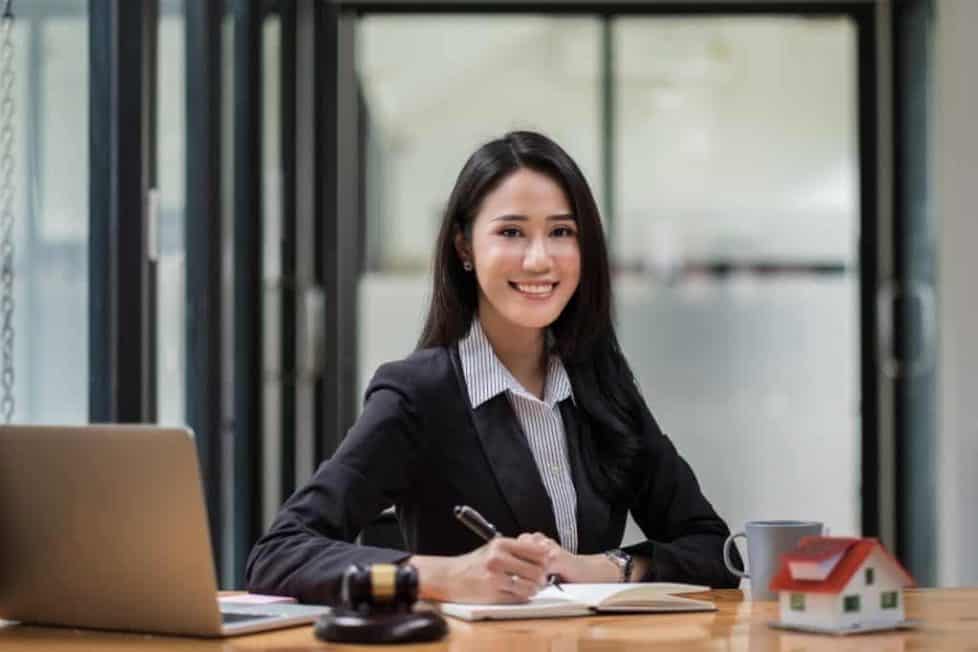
[(503, 570)]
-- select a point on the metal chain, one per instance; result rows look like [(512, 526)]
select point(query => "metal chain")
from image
[(7, 210)]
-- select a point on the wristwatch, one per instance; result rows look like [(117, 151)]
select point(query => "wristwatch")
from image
[(624, 562)]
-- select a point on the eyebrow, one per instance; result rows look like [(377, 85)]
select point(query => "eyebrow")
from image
[(524, 218)]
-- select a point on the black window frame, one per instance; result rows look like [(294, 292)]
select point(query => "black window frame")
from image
[(122, 158)]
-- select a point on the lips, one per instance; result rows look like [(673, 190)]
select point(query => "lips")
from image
[(534, 290)]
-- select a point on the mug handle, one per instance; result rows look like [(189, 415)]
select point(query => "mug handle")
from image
[(726, 555)]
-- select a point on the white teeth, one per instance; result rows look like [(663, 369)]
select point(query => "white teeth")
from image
[(535, 288)]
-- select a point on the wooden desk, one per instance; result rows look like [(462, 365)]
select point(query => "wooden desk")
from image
[(949, 622)]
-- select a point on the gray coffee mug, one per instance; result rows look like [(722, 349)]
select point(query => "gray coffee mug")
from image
[(766, 542)]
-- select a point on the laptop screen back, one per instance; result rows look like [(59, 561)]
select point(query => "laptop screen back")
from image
[(104, 526)]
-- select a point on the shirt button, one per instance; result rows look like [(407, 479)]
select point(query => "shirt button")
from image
[(555, 468)]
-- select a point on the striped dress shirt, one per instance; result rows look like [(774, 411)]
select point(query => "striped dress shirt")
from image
[(542, 424)]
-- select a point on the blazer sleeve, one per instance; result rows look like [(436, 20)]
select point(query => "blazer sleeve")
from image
[(685, 534), (311, 541)]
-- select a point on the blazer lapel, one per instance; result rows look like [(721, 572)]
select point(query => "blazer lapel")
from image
[(511, 461), (593, 512)]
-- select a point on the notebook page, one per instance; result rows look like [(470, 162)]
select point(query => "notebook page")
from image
[(597, 594)]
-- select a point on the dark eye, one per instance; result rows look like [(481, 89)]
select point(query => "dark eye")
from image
[(510, 233), (563, 232)]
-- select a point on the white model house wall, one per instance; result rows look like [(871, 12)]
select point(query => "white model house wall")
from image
[(820, 609), (886, 579)]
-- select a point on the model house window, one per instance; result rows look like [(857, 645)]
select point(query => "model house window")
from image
[(850, 603), (797, 601), (888, 599), (869, 577)]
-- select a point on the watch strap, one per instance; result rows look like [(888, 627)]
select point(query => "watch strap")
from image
[(624, 562)]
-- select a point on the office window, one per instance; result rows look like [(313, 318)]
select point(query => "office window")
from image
[(850, 603), (870, 576), (889, 599), (50, 208), (797, 601)]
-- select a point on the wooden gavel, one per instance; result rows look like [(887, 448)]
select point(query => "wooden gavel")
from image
[(384, 587), (378, 607)]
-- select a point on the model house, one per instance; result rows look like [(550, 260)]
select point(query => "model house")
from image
[(840, 584)]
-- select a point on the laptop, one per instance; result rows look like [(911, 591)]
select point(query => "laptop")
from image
[(105, 527)]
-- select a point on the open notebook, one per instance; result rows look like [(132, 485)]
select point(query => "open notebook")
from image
[(586, 599)]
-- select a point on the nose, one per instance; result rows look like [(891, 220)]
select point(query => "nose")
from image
[(537, 258)]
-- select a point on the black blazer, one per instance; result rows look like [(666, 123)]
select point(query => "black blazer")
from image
[(419, 445)]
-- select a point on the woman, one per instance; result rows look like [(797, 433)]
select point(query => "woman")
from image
[(518, 403)]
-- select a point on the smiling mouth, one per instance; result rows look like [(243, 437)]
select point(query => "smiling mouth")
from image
[(534, 290)]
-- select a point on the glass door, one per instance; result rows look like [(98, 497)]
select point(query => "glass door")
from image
[(735, 234)]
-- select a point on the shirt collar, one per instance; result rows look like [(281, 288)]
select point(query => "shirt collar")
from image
[(487, 377)]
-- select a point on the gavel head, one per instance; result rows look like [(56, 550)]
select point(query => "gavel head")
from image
[(381, 587)]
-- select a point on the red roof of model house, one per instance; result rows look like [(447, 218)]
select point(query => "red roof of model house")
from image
[(826, 564)]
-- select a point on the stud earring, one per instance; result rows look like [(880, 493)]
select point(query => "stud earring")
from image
[(467, 265)]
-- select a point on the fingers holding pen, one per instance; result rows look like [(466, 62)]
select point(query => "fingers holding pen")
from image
[(502, 570), (523, 559), (510, 569), (515, 588), (551, 549)]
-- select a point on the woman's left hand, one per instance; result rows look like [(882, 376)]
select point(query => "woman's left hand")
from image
[(575, 568)]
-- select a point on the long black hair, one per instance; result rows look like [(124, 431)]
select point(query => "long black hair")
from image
[(583, 335)]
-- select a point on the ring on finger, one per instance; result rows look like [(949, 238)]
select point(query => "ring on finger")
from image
[(513, 579)]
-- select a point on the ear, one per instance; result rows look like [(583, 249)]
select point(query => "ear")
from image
[(462, 246)]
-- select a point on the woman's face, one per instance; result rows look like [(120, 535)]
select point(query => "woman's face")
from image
[(525, 251)]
